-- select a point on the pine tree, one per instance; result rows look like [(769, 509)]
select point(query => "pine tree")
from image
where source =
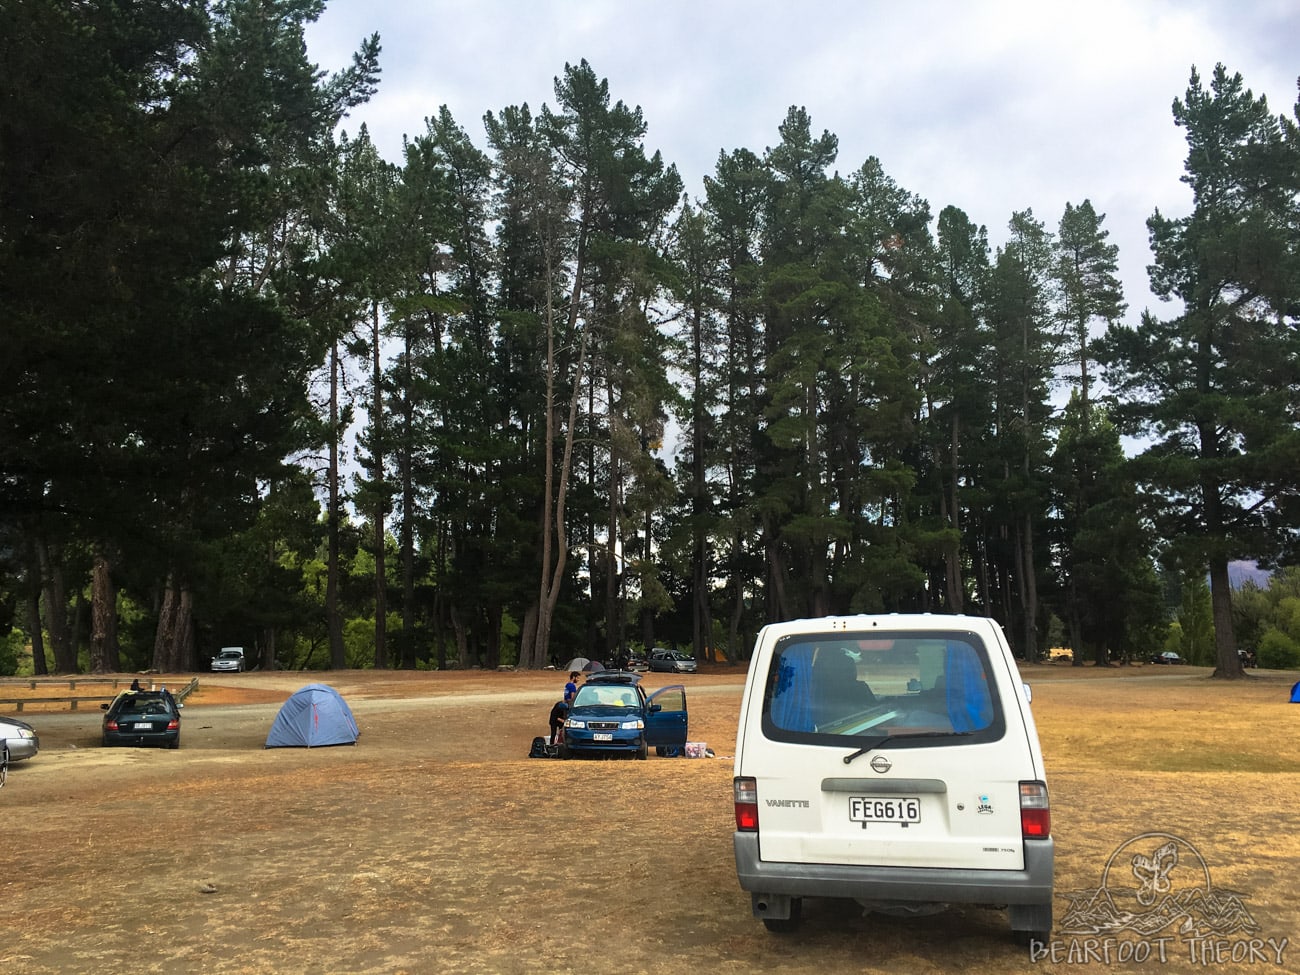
[(1213, 386)]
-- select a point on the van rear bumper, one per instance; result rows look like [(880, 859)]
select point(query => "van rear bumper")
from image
[(1032, 885)]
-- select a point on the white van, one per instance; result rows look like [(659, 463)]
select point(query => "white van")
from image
[(891, 760)]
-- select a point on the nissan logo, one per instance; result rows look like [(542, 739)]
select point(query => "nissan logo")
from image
[(881, 764)]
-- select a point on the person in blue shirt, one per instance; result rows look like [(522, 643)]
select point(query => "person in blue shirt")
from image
[(571, 688)]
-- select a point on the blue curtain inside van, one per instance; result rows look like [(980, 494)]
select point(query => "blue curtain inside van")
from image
[(792, 704), (970, 708)]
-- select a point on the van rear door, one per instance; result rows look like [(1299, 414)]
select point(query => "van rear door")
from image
[(917, 767)]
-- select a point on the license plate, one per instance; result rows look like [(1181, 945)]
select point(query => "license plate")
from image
[(602, 736), (884, 809), (142, 726)]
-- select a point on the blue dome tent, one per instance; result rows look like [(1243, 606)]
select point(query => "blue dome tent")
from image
[(1295, 692), (314, 715)]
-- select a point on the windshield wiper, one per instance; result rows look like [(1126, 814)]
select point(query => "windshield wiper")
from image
[(886, 739)]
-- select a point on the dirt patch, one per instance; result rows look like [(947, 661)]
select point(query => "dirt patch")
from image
[(435, 845)]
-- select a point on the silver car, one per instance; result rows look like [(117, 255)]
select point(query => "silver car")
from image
[(230, 658), (21, 739), (672, 662)]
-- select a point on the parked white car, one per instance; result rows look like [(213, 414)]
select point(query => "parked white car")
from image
[(20, 738), (230, 658), (894, 761)]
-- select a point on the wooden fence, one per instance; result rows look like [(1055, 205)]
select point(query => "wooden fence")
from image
[(73, 700)]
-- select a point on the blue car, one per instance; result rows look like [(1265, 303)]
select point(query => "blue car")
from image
[(611, 714)]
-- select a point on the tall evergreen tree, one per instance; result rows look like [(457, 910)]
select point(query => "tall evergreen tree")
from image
[(140, 180), (956, 386), (1213, 387), (1090, 295), (367, 251), (697, 256), (734, 203), (1025, 350)]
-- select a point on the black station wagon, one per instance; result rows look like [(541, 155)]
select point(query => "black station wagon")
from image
[(143, 718)]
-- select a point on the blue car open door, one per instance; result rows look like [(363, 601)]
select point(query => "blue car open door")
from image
[(665, 723)]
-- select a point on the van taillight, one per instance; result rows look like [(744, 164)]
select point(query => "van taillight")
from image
[(1035, 811), (746, 794)]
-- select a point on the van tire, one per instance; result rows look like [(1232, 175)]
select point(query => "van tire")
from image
[(786, 925), (1023, 939), (1030, 922)]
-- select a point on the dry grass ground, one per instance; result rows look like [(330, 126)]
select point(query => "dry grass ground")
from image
[(435, 845)]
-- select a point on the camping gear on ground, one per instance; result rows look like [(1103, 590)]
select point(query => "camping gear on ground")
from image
[(593, 666), (1295, 692), (313, 716), (541, 748), (577, 663)]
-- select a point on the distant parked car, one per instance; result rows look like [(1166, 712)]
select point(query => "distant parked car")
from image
[(672, 662), (20, 738), (143, 718), (1168, 657), (230, 658)]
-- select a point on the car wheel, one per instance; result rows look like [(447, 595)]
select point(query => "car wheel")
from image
[(174, 744), (566, 752), (643, 751)]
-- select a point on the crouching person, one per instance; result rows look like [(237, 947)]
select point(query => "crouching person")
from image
[(558, 713)]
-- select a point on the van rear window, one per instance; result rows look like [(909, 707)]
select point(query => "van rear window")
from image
[(927, 685)]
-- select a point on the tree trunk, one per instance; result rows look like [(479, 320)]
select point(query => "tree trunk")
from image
[(528, 636), (613, 568), (462, 640), (333, 616), (56, 610), (555, 538), (104, 658), (36, 632), (173, 649), (1227, 660), (735, 649), (778, 593), (952, 553), (267, 650), (1029, 587), (701, 611), (377, 453)]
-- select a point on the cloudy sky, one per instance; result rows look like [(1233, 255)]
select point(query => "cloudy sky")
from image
[(989, 106)]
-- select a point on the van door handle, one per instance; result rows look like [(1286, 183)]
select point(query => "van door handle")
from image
[(908, 787)]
